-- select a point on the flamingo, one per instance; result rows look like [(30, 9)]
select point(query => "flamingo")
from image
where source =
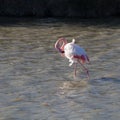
[(74, 53)]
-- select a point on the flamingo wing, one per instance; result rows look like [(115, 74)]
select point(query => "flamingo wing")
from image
[(80, 54)]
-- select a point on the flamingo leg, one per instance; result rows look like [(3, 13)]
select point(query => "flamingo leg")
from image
[(75, 69), (85, 69)]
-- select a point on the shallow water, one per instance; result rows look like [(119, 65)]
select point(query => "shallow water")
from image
[(36, 83)]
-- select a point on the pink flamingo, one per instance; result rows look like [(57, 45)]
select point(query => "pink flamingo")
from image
[(74, 53)]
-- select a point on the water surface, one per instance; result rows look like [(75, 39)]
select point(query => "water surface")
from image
[(36, 83)]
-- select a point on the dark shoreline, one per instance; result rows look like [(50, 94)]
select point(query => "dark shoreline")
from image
[(60, 8), (113, 22)]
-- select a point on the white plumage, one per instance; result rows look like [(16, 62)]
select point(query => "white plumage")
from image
[(71, 49)]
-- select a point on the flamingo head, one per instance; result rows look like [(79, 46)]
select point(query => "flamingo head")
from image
[(59, 45)]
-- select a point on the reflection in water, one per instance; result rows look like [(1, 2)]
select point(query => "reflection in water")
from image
[(35, 82), (73, 84)]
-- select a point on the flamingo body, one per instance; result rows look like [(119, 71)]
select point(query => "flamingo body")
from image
[(74, 52)]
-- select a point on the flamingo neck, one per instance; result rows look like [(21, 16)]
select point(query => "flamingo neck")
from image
[(59, 45)]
